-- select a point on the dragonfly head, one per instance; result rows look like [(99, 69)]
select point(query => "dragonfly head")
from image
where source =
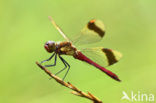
[(50, 46)]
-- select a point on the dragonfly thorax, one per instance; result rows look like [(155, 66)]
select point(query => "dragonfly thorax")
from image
[(65, 48), (50, 46)]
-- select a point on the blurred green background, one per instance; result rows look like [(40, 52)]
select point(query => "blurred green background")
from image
[(24, 28)]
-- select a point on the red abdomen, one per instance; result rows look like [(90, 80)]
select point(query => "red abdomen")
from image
[(82, 57)]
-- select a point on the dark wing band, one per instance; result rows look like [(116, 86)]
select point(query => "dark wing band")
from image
[(95, 28), (110, 56)]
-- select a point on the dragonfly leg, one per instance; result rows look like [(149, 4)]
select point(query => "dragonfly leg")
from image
[(48, 59), (54, 62), (66, 65), (67, 70)]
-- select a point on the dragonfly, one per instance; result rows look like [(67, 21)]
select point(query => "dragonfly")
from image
[(98, 57)]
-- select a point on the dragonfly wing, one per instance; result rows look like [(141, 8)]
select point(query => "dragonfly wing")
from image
[(93, 32), (102, 56), (58, 28)]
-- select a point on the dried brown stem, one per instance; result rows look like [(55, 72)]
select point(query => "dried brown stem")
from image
[(75, 91)]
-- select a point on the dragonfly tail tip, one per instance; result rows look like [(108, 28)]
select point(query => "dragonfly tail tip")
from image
[(118, 79)]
